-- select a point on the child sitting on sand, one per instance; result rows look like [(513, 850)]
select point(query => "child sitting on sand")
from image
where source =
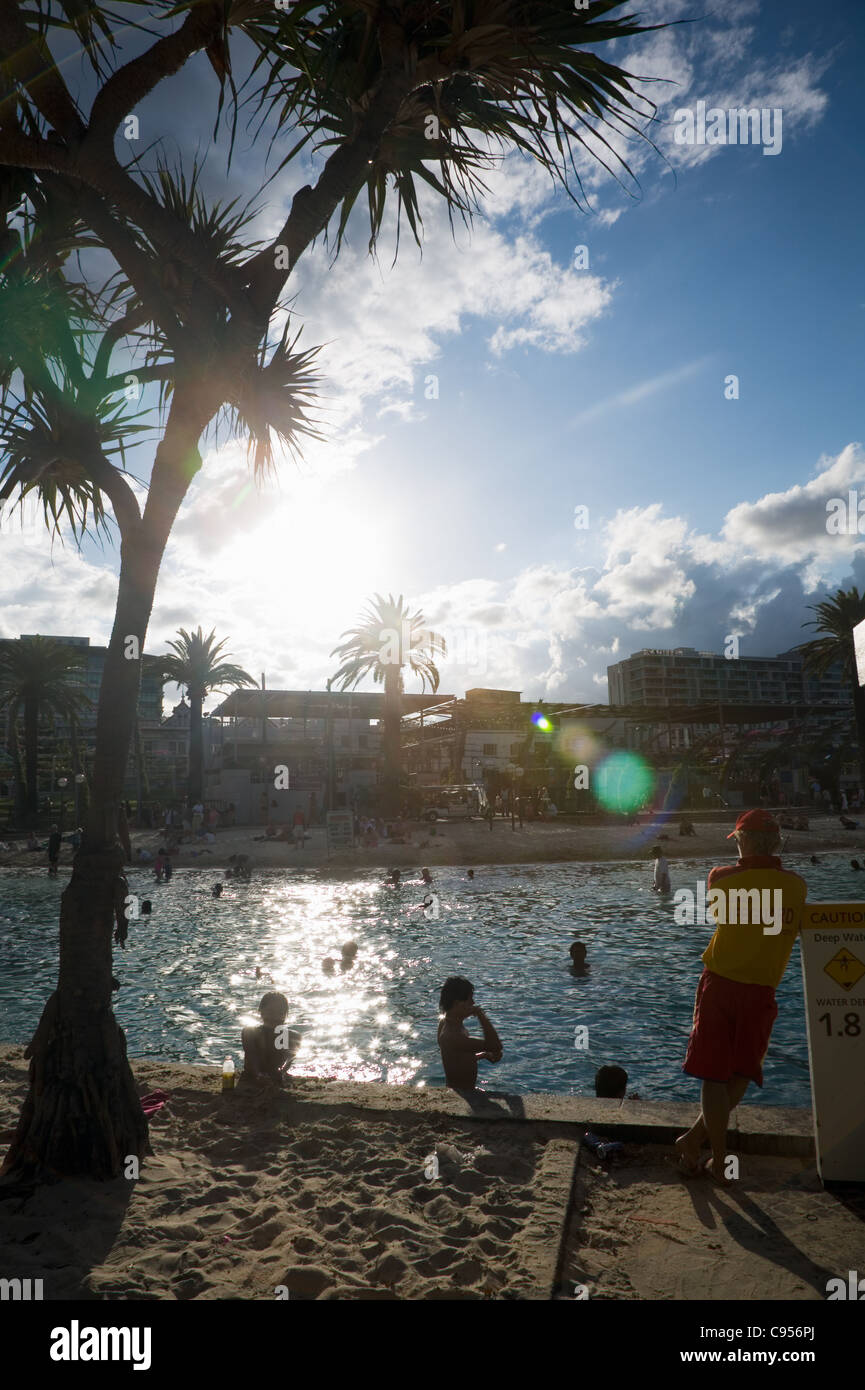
[(270, 1049), (460, 1053)]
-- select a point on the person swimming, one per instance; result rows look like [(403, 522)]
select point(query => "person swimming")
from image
[(611, 1083), (328, 964), (854, 864), (216, 890), (470, 873), (393, 878), (426, 876), (349, 953), (579, 964)]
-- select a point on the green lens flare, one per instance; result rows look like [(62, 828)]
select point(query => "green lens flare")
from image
[(623, 782)]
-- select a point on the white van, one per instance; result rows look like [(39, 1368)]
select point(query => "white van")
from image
[(454, 802)]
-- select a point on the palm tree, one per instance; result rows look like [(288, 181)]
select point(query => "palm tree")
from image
[(386, 639), (387, 92), (836, 618), (199, 665), (36, 678)]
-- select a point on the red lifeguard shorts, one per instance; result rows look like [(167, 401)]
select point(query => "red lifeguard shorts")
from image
[(732, 1026)]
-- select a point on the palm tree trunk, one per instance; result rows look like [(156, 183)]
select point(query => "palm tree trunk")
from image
[(859, 710), (196, 746), (391, 749), (82, 1114), (31, 755)]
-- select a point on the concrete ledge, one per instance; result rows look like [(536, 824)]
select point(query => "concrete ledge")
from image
[(754, 1129)]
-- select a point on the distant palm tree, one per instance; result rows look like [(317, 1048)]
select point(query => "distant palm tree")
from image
[(388, 638), (199, 664), (36, 678), (836, 618)]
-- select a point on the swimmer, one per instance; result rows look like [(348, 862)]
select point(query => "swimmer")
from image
[(814, 859), (577, 953), (393, 878), (328, 964), (470, 873), (216, 890), (349, 952), (426, 876), (854, 864), (146, 907), (263, 974), (611, 1084)]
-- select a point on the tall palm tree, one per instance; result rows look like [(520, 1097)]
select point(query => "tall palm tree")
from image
[(388, 92), (386, 639), (37, 679), (836, 618), (199, 664)]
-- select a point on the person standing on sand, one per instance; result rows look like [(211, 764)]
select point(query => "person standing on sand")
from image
[(735, 1007), (460, 1053)]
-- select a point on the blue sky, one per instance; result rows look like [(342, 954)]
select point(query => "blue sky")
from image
[(556, 387)]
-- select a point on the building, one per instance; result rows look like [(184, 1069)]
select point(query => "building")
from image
[(684, 676), (328, 742)]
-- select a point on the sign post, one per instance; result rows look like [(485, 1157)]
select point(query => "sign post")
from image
[(833, 972), (340, 830)]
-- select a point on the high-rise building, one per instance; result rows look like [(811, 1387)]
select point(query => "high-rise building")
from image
[(657, 677), (89, 679)]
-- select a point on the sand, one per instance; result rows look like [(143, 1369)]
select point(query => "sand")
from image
[(320, 1193), (472, 843)]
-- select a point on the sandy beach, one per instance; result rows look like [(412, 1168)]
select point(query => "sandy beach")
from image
[(472, 843), (321, 1192)]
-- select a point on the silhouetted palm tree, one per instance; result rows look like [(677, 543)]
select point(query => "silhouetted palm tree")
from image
[(836, 618), (184, 303), (36, 679), (389, 637), (199, 665)]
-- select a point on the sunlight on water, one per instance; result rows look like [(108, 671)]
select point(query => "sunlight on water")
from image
[(189, 982)]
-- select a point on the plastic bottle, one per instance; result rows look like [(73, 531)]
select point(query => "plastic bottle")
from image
[(228, 1074), (604, 1148)]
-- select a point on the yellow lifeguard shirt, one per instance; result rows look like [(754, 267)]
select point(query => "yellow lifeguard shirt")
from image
[(740, 949)]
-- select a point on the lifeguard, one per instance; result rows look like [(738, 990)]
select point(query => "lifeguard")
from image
[(735, 1007)]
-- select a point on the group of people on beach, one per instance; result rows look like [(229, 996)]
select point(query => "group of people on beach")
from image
[(734, 1007)]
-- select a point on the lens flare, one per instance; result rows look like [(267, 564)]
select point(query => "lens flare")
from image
[(623, 782), (541, 722)]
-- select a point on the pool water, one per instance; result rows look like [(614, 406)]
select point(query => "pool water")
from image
[(188, 971)]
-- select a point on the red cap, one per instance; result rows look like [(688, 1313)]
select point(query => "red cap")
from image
[(760, 819)]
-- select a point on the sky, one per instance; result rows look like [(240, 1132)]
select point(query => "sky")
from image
[(692, 378)]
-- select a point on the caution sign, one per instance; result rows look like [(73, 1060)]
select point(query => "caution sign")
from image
[(845, 969), (833, 972)]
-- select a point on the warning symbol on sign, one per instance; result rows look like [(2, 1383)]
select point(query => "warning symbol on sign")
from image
[(845, 969)]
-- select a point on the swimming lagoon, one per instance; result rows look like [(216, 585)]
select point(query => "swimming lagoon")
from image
[(188, 971)]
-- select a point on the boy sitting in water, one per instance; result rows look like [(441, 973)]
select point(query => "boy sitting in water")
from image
[(270, 1049), (460, 1053)]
